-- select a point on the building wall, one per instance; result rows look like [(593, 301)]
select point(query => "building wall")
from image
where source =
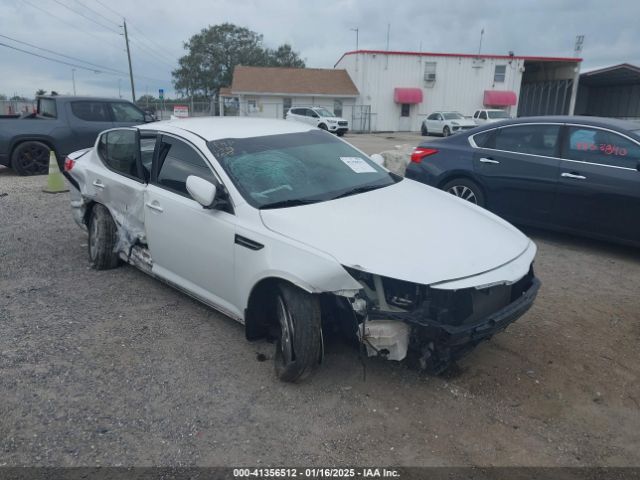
[(272, 106), (460, 85)]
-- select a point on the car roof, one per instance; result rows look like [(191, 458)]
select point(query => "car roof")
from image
[(86, 98), (615, 123), (216, 128)]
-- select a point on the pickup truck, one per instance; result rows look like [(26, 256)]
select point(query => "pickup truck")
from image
[(63, 124)]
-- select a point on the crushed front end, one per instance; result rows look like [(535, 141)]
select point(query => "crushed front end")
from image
[(432, 326)]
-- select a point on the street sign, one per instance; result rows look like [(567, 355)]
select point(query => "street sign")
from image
[(180, 111), (161, 93)]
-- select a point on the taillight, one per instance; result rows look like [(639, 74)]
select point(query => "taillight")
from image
[(68, 164), (419, 153)]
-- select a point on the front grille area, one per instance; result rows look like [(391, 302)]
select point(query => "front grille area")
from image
[(343, 124)]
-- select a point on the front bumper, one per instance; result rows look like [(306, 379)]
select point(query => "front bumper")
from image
[(446, 335)]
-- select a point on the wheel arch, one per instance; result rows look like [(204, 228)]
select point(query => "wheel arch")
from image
[(16, 142), (257, 314)]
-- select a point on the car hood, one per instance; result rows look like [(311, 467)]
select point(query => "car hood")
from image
[(407, 231)]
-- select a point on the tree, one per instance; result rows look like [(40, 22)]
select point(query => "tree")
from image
[(215, 51), (40, 92), (284, 56), (2, 96)]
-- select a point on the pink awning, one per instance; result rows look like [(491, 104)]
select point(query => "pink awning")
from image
[(499, 98), (407, 95)]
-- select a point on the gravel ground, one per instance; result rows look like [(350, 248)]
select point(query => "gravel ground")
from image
[(115, 368)]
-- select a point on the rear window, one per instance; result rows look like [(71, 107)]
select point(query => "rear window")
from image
[(91, 111), (47, 107)]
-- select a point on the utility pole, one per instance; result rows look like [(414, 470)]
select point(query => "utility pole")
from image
[(357, 32), (73, 79), (126, 39)]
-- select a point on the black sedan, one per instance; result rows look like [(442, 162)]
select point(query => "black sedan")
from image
[(577, 174)]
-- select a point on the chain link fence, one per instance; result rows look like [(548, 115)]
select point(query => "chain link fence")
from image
[(360, 118), (17, 107)]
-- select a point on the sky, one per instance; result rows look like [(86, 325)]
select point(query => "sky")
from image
[(90, 31)]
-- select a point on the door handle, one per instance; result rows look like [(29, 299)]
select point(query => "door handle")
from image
[(489, 160), (154, 206), (98, 183), (573, 175)]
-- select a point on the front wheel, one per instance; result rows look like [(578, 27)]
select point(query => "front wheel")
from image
[(424, 130), (466, 189), (299, 342), (445, 131), (322, 126)]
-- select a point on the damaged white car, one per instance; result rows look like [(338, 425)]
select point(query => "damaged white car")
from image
[(289, 230)]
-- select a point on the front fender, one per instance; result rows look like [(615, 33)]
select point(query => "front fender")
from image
[(280, 257)]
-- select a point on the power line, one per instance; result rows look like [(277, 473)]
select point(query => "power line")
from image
[(119, 47), (110, 9), (157, 59), (97, 13), (82, 67), (152, 45), (85, 16), (60, 54)]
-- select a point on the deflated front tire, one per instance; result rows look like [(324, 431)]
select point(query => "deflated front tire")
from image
[(102, 239)]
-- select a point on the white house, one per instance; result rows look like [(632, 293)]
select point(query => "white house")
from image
[(402, 88), (270, 91)]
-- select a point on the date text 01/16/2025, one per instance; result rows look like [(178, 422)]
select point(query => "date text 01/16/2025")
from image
[(315, 473)]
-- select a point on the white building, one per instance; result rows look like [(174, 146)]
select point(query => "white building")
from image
[(270, 91), (402, 88)]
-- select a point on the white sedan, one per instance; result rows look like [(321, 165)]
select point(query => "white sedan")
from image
[(446, 123), (290, 231)]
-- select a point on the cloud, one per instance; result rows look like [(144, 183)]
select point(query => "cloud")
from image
[(320, 31)]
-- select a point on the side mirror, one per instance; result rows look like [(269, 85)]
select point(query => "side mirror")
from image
[(202, 191), (148, 118), (377, 158)]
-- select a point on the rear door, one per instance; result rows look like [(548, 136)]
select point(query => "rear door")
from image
[(434, 123), (599, 183), (518, 165), (118, 182), (87, 118), (192, 247)]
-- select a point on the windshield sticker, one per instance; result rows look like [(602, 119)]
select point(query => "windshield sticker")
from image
[(358, 165)]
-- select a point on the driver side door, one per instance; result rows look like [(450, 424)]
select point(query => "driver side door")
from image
[(191, 247)]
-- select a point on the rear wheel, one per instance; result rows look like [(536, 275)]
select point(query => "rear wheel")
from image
[(466, 189), (102, 239), (423, 130), (299, 341), (30, 158), (445, 131)]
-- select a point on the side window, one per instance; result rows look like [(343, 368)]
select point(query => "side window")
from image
[(600, 146), (177, 161), (337, 107), (118, 151), (475, 115), (439, 117), (485, 139), (311, 113), (91, 111), (531, 139), (125, 112), (499, 73), (432, 116), (483, 115)]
